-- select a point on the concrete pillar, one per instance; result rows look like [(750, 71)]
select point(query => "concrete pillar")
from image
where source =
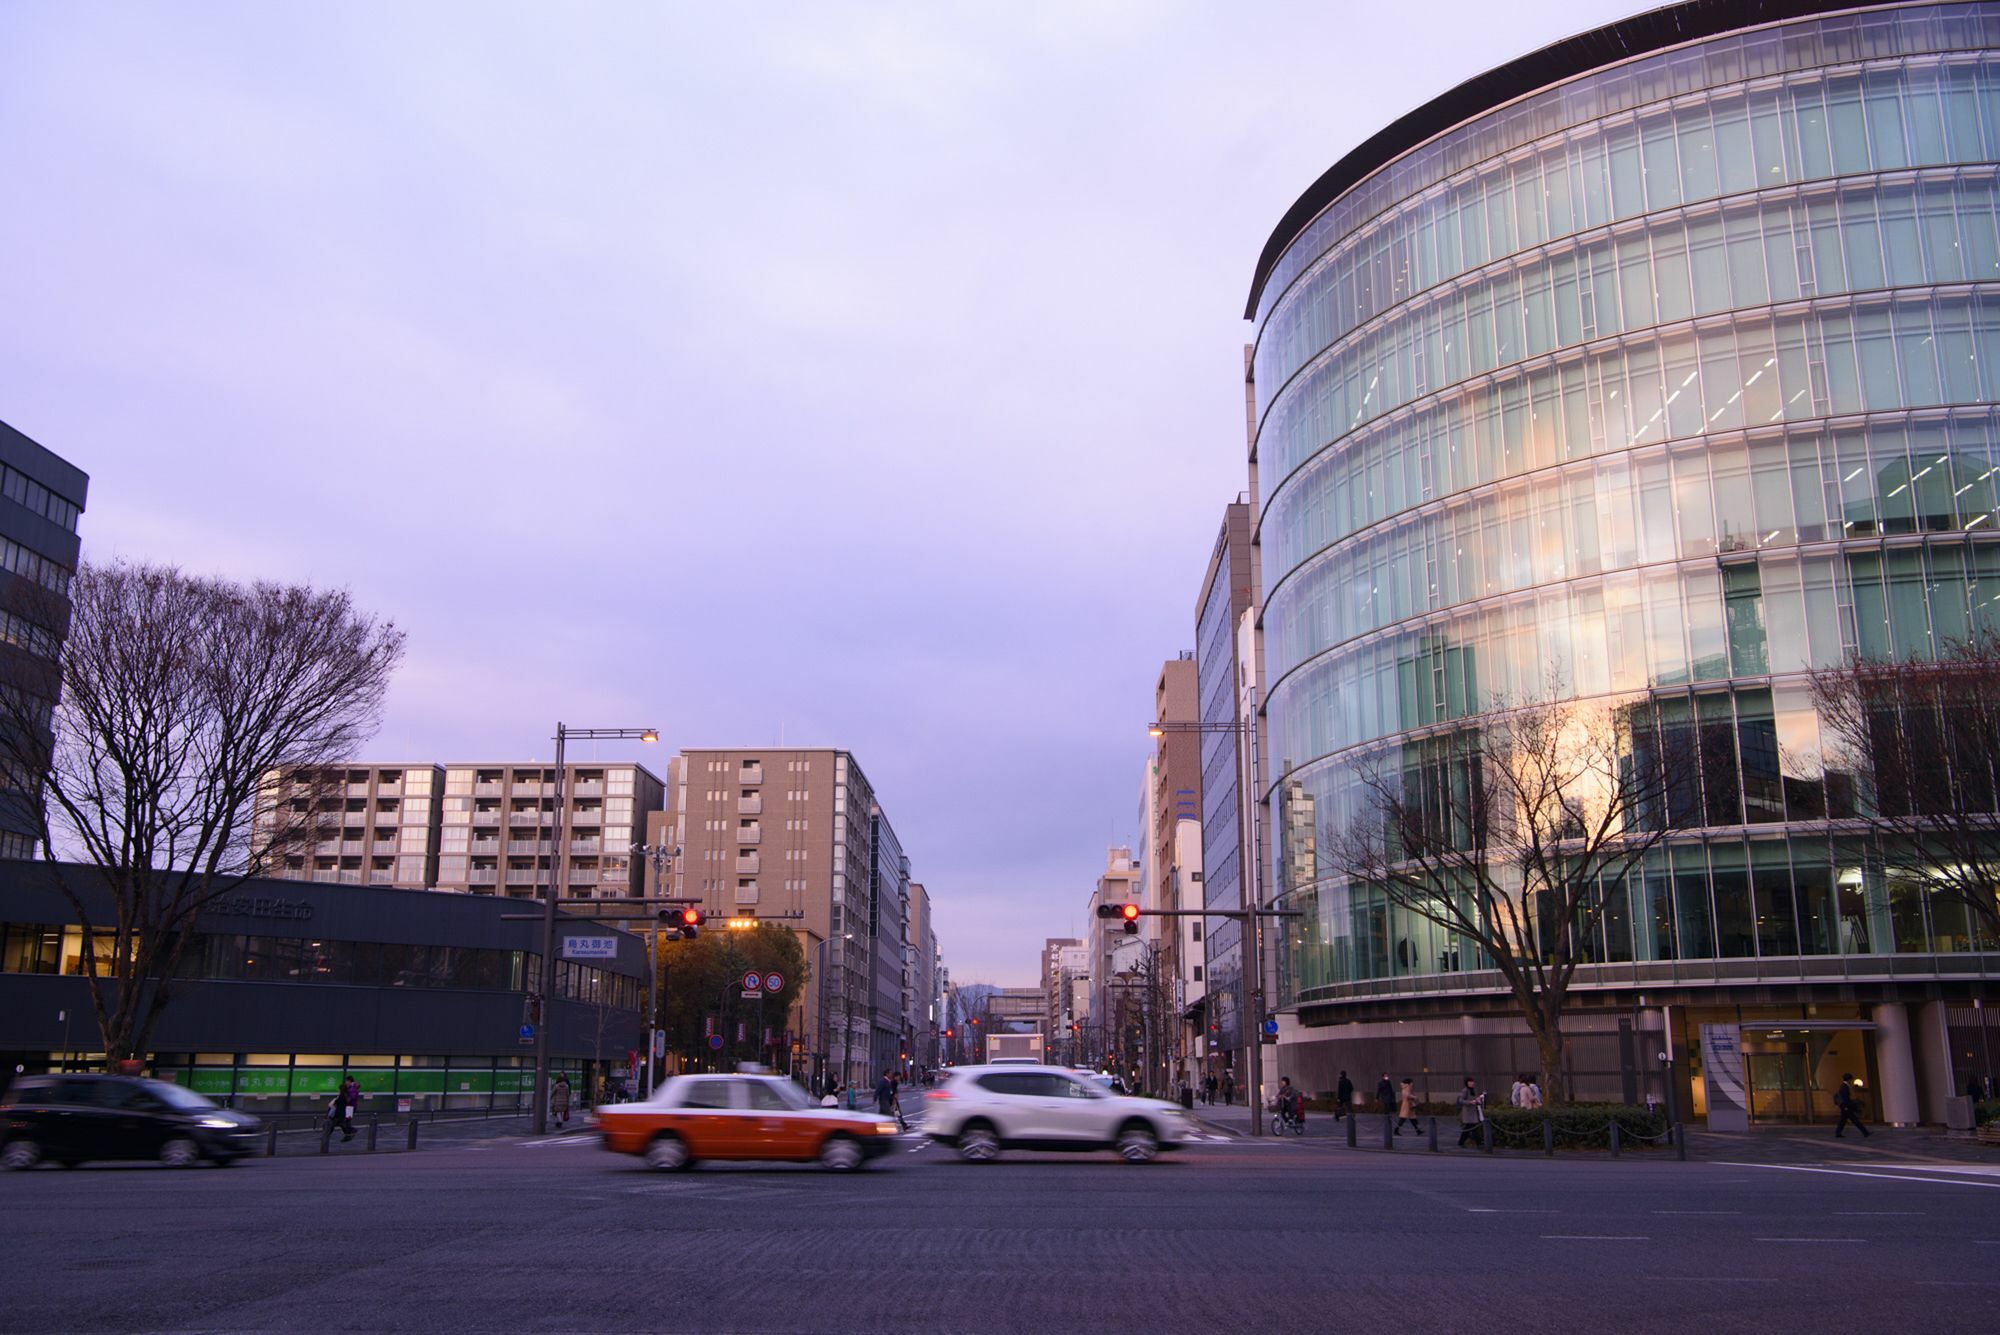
[(1895, 1065), (1936, 1076)]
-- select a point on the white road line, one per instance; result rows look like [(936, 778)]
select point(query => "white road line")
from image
[(1880, 1177), (1713, 1279), (1878, 1214), (1595, 1237), (1699, 1212), (1809, 1239)]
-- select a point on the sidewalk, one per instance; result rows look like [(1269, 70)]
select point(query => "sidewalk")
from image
[(1771, 1144)]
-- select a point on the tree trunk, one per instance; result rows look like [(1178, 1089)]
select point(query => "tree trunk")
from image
[(1549, 1041)]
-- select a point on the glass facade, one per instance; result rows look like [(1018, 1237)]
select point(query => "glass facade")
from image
[(1677, 377)]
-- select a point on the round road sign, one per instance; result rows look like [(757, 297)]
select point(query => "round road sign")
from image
[(774, 982), (715, 1041), (752, 981)]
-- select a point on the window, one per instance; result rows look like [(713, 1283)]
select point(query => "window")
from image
[(707, 1094)]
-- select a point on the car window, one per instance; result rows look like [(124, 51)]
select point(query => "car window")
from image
[(1018, 1084), (32, 1093), (769, 1096), (1066, 1088), (176, 1096), (82, 1094), (707, 1094)]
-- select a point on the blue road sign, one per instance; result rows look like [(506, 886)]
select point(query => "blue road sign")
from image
[(527, 1033), (715, 1041), (1270, 1026)]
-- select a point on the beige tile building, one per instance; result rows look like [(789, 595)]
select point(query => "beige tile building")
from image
[(373, 824), (796, 836), (497, 829)]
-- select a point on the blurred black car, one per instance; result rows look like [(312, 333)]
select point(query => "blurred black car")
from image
[(68, 1119)]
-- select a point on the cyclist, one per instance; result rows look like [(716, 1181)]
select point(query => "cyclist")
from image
[(1291, 1107)]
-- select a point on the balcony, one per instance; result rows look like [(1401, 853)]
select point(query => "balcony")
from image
[(746, 864), (589, 788), (482, 876), (751, 836), (389, 789), (526, 847), (586, 846), (528, 817), (485, 818), (524, 876), (750, 804), (487, 789), (326, 847), (381, 878), (750, 774)]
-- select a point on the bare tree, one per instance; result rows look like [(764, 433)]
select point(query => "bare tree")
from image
[(1513, 833), (143, 738), (1921, 740)]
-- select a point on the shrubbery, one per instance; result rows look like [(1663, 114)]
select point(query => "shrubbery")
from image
[(1577, 1125)]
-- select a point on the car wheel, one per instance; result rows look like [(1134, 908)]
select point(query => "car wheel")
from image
[(21, 1154), (1137, 1143), (668, 1154), (840, 1154), (977, 1143), (180, 1152)]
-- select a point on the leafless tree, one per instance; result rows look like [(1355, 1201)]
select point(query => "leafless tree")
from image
[(142, 739), (1513, 833), (1921, 740)]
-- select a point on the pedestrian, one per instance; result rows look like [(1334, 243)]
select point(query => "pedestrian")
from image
[(832, 1096), (1229, 1089), (1343, 1097), (1471, 1111), (885, 1095), (1849, 1108), (345, 1100), (1533, 1092), (1517, 1093), (1406, 1107), (1973, 1089), (1385, 1094), (1208, 1090), (559, 1100)]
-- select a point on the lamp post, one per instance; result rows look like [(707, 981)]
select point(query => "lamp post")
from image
[(659, 855), (1251, 897), (558, 878)]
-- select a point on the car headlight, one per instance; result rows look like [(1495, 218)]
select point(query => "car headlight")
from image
[(218, 1123), (885, 1128)]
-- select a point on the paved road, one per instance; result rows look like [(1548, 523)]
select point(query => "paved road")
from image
[(1227, 1236)]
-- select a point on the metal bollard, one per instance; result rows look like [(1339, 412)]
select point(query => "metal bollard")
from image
[(1388, 1141), (413, 1135), (1548, 1136), (271, 1142), (1680, 1142), (1486, 1134), (326, 1136), (374, 1122), (1434, 1133), (1614, 1137), (1352, 1121)]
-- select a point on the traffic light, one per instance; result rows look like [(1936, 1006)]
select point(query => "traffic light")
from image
[(690, 923), (1130, 912)]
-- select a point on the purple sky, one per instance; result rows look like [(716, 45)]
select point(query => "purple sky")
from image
[(871, 374)]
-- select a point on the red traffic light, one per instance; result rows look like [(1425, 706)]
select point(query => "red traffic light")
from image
[(1130, 912), (690, 917)]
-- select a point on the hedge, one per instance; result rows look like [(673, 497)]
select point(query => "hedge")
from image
[(1577, 1125)]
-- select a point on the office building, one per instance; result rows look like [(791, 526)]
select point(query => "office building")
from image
[(41, 499), (797, 836), (1664, 360), (1227, 596)]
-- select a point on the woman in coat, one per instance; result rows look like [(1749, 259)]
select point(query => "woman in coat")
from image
[(559, 1100), (1471, 1111), (1406, 1108)]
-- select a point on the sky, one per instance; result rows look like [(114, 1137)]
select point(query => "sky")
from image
[(865, 376)]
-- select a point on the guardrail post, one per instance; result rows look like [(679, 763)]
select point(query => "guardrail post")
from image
[(1548, 1136), (271, 1142), (374, 1123), (413, 1134), (1351, 1121), (1614, 1137), (1486, 1135), (326, 1136), (1434, 1133), (1388, 1142), (1680, 1141)]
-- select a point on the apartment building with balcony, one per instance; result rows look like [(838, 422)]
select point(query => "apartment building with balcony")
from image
[(498, 829), (796, 836), (369, 824)]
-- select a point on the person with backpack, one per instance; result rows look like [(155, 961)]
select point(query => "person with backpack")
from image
[(1849, 1108)]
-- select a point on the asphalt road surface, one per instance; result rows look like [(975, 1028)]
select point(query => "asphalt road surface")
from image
[(1224, 1237)]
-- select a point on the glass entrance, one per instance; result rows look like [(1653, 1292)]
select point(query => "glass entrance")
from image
[(1792, 1073)]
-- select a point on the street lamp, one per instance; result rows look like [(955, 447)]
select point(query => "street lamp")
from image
[(558, 878), (1251, 896)]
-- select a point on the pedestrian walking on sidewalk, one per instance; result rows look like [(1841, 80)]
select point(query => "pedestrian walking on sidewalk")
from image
[(559, 1100), (1208, 1091), (1385, 1094), (1343, 1097), (1406, 1108), (1849, 1107), (1471, 1111), (1228, 1089), (885, 1095), (346, 1101)]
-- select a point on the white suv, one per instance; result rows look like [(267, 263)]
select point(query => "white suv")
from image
[(982, 1110)]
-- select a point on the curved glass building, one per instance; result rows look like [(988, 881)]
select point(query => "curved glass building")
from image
[(1667, 359)]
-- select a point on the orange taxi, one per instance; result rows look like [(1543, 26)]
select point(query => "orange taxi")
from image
[(695, 1117)]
